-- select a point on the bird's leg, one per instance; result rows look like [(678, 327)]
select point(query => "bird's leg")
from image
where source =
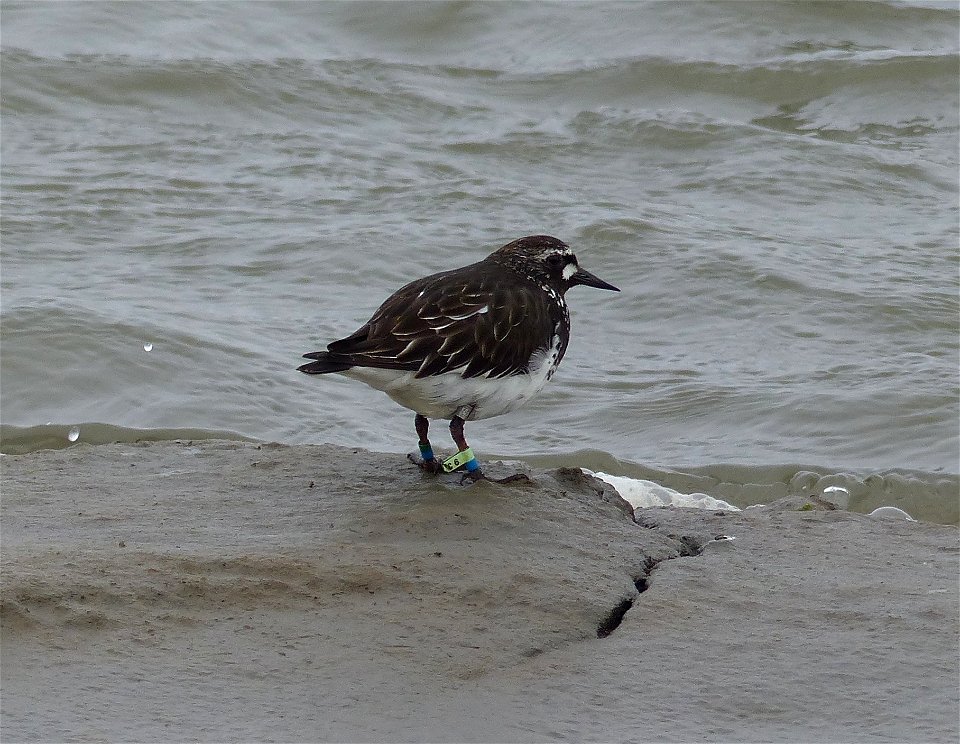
[(464, 457), (427, 461)]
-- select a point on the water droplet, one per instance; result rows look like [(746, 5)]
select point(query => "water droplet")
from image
[(74, 434), (148, 346)]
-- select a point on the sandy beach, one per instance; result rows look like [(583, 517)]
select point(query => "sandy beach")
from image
[(225, 591)]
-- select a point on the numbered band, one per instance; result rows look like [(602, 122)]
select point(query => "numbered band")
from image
[(465, 457)]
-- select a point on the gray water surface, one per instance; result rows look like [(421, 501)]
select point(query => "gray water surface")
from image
[(772, 185)]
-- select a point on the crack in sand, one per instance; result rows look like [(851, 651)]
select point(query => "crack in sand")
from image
[(688, 546)]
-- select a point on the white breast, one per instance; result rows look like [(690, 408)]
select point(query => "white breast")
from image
[(441, 396)]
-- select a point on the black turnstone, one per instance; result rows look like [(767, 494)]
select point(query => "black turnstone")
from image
[(467, 344)]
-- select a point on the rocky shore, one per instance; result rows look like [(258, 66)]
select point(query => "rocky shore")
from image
[(217, 591)]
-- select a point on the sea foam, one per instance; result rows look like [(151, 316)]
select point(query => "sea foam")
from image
[(643, 493)]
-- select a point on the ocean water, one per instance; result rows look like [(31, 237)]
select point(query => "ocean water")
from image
[(194, 194)]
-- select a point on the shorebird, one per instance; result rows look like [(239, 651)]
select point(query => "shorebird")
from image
[(466, 344)]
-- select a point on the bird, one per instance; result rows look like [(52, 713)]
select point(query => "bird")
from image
[(466, 344)]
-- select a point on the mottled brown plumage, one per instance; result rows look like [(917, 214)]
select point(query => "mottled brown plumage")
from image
[(468, 343), (435, 325)]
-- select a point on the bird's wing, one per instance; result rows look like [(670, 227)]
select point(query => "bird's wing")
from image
[(436, 325)]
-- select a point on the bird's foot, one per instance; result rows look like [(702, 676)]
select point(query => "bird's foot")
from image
[(431, 465), (465, 460), (477, 475), (518, 478)]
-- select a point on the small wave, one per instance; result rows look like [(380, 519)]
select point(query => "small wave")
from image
[(926, 496), (19, 440), (249, 88), (643, 494)]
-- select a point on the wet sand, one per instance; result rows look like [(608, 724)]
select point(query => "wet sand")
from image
[(229, 591)]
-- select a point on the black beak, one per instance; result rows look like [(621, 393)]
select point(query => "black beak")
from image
[(589, 280)]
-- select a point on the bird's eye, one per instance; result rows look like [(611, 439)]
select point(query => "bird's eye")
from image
[(555, 261)]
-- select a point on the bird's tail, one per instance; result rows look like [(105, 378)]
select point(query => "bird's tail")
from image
[(325, 362)]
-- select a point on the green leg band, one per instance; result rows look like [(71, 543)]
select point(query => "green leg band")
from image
[(462, 458)]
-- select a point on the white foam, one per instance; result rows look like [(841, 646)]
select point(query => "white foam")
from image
[(891, 512), (643, 493)]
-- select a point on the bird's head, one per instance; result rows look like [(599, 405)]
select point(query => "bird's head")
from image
[(549, 262)]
